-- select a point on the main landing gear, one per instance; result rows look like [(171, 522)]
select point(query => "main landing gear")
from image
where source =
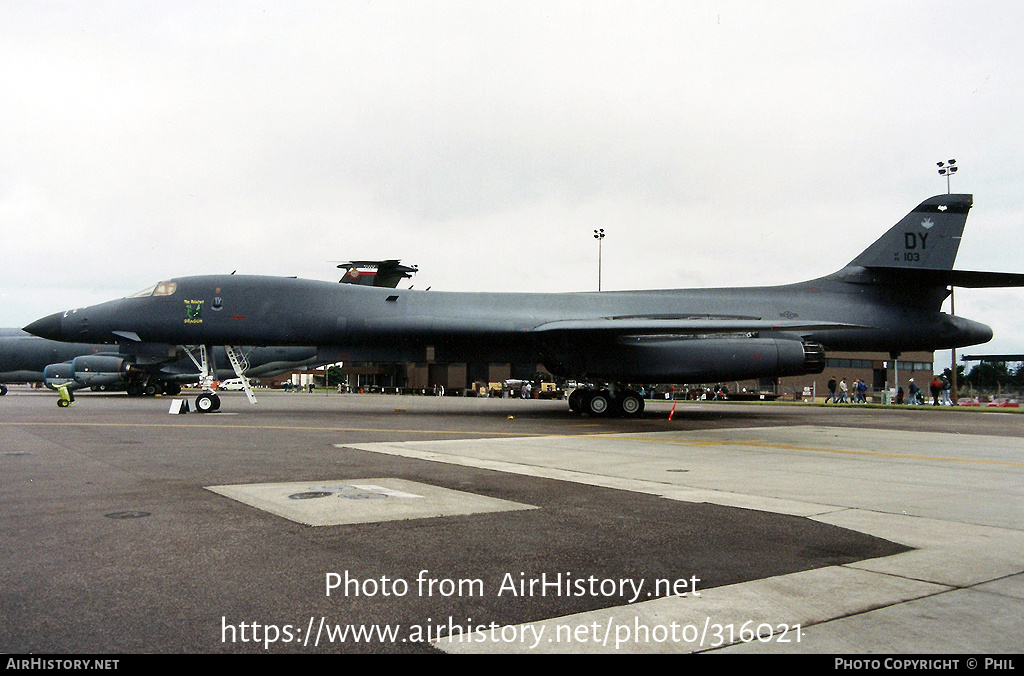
[(607, 402), (150, 387)]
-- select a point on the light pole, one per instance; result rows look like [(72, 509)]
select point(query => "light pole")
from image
[(947, 169), (953, 396), (599, 236)]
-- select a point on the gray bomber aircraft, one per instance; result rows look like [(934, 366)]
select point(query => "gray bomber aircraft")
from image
[(25, 358), (888, 298)]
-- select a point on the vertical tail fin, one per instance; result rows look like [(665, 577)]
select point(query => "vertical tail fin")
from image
[(926, 239)]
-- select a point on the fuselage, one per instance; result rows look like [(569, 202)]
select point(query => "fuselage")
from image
[(369, 323)]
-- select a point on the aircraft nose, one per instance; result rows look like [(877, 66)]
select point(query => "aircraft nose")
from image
[(49, 327)]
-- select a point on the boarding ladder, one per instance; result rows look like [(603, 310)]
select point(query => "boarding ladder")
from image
[(239, 362)]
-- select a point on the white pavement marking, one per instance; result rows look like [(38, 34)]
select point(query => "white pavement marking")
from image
[(337, 502), (958, 499)]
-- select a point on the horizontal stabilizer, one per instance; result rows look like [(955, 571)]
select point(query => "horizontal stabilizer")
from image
[(992, 357), (963, 278), (985, 280)]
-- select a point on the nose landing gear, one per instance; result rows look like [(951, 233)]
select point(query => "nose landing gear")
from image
[(207, 402)]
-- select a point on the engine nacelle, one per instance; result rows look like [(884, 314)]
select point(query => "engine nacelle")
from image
[(55, 375), (98, 369), (87, 371), (651, 359)]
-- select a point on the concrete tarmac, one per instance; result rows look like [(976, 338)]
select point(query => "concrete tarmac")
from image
[(315, 523)]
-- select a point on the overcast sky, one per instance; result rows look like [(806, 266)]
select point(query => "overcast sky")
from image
[(718, 143)]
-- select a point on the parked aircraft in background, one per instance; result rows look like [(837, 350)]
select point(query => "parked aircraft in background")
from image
[(25, 358), (888, 299), (387, 273)]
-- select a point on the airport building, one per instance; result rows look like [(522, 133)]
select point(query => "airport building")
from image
[(877, 370)]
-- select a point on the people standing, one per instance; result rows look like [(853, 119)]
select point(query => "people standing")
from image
[(915, 392), (862, 390), (831, 390)]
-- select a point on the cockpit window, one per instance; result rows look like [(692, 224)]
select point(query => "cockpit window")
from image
[(166, 289), (160, 289)]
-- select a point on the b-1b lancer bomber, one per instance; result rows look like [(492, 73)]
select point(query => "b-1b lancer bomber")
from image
[(887, 299)]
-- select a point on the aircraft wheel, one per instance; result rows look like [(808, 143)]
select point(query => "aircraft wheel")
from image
[(206, 402), (172, 389), (151, 389), (576, 400), (3, 390), (63, 403), (631, 404), (598, 403)]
